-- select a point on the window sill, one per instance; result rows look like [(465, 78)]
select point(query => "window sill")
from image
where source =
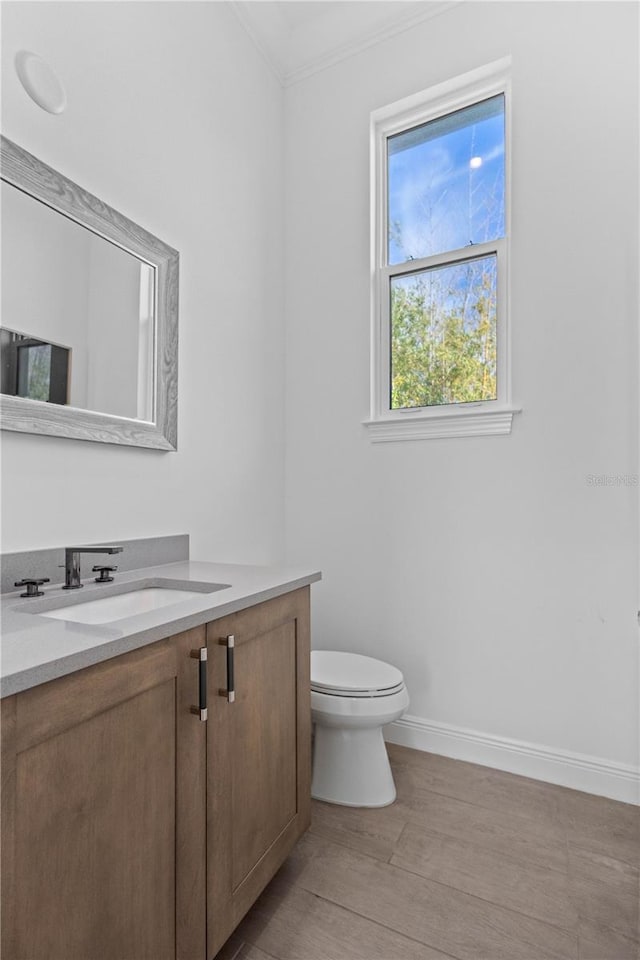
[(478, 422)]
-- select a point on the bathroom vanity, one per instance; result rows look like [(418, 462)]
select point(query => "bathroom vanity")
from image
[(148, 797)]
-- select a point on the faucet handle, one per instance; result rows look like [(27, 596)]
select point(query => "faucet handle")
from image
[(32, 585), (104, 573)]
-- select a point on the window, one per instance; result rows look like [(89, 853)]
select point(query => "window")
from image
[(440, 213)]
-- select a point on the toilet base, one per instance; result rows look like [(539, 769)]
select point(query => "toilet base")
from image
[(351, 767)]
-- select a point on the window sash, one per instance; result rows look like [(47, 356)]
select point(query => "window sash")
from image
[(446, 116), (382, 378), (450, 257)]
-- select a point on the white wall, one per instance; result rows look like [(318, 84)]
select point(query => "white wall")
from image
[(173, 119), (487, 569)]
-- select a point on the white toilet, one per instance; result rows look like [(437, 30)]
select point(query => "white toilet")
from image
[(352, 698)]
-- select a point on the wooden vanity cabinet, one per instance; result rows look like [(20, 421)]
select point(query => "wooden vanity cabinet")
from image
[(102, 801), (131, 830), (258, 753)]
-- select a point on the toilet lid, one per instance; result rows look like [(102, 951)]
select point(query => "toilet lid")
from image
[(350, 674)]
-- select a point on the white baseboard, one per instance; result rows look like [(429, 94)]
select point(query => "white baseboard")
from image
[(579, 771)]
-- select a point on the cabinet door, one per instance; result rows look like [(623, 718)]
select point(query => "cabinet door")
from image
[(258, 754), (100, 836)]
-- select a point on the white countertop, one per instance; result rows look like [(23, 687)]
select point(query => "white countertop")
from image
[(35, 648)]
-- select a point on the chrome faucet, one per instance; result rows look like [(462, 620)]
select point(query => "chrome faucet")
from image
[(72, 563)]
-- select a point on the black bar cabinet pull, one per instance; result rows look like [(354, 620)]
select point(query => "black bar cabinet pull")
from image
[(230, 692), (201, 656)]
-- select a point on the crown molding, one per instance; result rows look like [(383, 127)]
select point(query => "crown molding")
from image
[(294, 54), (265, 38), (369, 38)]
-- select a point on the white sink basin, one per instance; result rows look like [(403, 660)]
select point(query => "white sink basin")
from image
[(107, 609)]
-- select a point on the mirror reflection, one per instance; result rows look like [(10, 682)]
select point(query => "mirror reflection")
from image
[(34, 369), (78, 314)]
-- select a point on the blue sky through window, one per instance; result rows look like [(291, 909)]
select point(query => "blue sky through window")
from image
[(446, 183)]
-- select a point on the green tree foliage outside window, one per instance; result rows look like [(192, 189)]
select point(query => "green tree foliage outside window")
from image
[(443, 335), (39, 382)]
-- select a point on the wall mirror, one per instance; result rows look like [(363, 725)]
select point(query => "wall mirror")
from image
[(89, 314)]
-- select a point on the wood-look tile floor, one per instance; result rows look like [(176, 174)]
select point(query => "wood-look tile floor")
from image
[(469, 862)]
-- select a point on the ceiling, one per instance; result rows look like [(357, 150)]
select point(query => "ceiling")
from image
[(300, 37), (299, 12)]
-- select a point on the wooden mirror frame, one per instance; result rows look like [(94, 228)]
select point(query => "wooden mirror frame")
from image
[(31, 176)]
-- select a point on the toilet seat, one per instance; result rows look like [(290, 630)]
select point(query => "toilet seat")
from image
[(352, 675)]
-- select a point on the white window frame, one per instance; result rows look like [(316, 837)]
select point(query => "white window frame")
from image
[(483, 417)]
